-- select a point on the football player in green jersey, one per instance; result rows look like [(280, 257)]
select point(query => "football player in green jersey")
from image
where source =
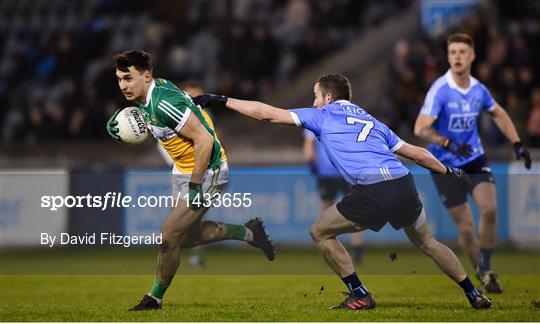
[(200, 166)]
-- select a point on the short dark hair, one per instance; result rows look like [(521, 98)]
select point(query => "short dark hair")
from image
[(136, 58), (460, 38), (337, 85)]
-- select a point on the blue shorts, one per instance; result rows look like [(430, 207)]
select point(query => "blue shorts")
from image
[(372, 206), (453, 193), (330, 187)]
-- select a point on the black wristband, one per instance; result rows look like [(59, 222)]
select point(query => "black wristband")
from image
[(193, 185), (518, 144)]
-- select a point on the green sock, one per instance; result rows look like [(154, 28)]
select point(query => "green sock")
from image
[(158, 289), (235, 232)]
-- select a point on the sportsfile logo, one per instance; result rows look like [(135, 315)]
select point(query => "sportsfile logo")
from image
[(120, 200), (462, 122)]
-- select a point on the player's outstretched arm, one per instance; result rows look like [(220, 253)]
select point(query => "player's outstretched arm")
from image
[(505, 124), (423, 157), (261, 111), (254, 109)]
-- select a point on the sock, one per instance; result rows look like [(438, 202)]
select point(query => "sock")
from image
[(470, 291), (158, 289), (466, 284), (249, 235), (238, 232), (355, 285), (484, 262), (358, 253)]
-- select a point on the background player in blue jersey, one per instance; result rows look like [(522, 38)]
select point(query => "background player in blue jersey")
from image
[(330, 184), (448, 120), (382, 189)]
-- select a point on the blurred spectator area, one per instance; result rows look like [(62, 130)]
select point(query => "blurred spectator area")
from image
[(57, 81), (56, 69)]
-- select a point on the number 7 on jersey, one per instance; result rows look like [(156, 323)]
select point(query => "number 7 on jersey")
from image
[(368, 125)]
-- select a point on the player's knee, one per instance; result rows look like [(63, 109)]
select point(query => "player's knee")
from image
[(315, 233), (489, 212), (466, 228), (213, 230)]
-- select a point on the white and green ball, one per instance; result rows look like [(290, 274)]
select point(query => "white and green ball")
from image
[(131, 125)]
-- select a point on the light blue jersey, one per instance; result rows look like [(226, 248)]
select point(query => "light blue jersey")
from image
[(456, 111), (325, 168), (358, 145)]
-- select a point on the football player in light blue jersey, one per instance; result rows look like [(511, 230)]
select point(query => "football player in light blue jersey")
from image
[(448, 121), (330, 184), (382, 189)]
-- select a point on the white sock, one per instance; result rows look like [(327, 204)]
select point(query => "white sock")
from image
[(249, 235), (157, 299)]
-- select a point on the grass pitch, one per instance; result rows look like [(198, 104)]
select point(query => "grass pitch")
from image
[(239, 285)]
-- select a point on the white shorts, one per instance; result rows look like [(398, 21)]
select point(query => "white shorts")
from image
[(214, 181)]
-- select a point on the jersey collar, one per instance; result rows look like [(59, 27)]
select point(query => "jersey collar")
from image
[(342, 101), (452, 84), (149, 94)]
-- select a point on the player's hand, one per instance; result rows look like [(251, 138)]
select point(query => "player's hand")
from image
[(461, 151), (195, 196), (211, 101), (522, 153), (112, 127), (458, 175)]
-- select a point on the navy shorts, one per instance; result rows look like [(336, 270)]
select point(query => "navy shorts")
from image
[(372, 206), (453, 193), (329, 187)]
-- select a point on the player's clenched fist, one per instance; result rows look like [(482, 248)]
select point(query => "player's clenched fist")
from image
[(458, 175), (522, 153), (210, 101), (461, 151)]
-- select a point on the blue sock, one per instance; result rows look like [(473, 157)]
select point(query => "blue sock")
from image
[(484, 262), (355, 286), (470, 291), (466, 284)]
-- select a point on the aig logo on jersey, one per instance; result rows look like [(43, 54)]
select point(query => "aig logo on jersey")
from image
[(462, 122)]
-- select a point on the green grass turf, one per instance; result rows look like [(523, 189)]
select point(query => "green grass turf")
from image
[(239, 285)]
